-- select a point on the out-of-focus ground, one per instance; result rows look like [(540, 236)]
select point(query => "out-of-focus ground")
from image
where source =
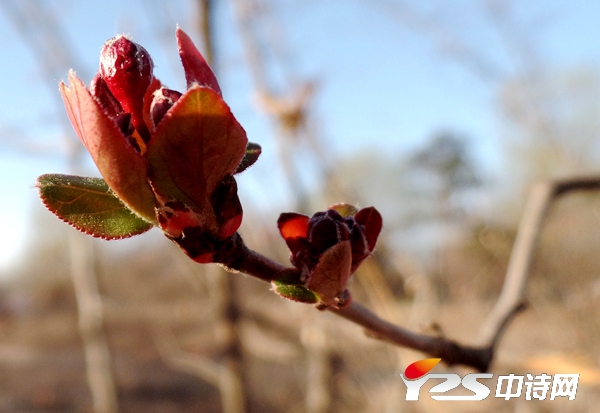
[(153, 295)]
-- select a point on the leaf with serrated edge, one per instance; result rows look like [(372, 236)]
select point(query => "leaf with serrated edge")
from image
[(89, 205)]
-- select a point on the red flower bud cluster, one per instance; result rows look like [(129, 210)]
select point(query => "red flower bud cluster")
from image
[(169, 156), (329, 246)]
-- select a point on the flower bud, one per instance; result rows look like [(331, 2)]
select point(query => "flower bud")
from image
[(178, 175), (227, 207), (126, 67), (328, 247), (325, 229), (101, 93), (162, 100)]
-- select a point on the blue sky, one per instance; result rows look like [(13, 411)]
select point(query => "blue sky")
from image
[(386, 80)]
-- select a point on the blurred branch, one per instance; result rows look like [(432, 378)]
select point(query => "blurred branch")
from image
[(207, 10), (221, 376), (288, 105), (320, 387), (444, 39), (171, 353), (541, 196), (89, 306), (286, 113), (36, 22)]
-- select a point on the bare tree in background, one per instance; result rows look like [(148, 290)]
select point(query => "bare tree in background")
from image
[(290, 118), (36, 23)]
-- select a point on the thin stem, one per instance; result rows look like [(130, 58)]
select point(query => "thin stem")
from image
[(451, 352), (237, 256)]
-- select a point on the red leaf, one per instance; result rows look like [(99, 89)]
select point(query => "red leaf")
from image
[(195, 146), (195, 66), (331, 274), (253, 151), (371, 219), (227, 207), (123, 169)]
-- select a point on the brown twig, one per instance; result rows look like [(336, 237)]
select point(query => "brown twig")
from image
[(220, 375), (451, 352), (237, 256), (541, 196)]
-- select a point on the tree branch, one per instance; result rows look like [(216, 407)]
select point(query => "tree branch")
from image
[(541, 196), (235, 255), (451, 352)]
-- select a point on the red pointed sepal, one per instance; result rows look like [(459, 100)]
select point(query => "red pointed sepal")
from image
[(197, 70)]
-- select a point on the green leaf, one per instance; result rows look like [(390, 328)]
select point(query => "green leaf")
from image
[(253, 151), (294, 292), (89, 205)]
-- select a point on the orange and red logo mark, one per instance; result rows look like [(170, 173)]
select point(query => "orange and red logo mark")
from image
[(420, 368)]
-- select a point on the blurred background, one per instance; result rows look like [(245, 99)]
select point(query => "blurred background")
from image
[(441, 114)]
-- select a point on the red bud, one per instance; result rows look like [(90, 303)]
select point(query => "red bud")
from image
[(162, 100), (100, 91), (227, 207), (126, 67)]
